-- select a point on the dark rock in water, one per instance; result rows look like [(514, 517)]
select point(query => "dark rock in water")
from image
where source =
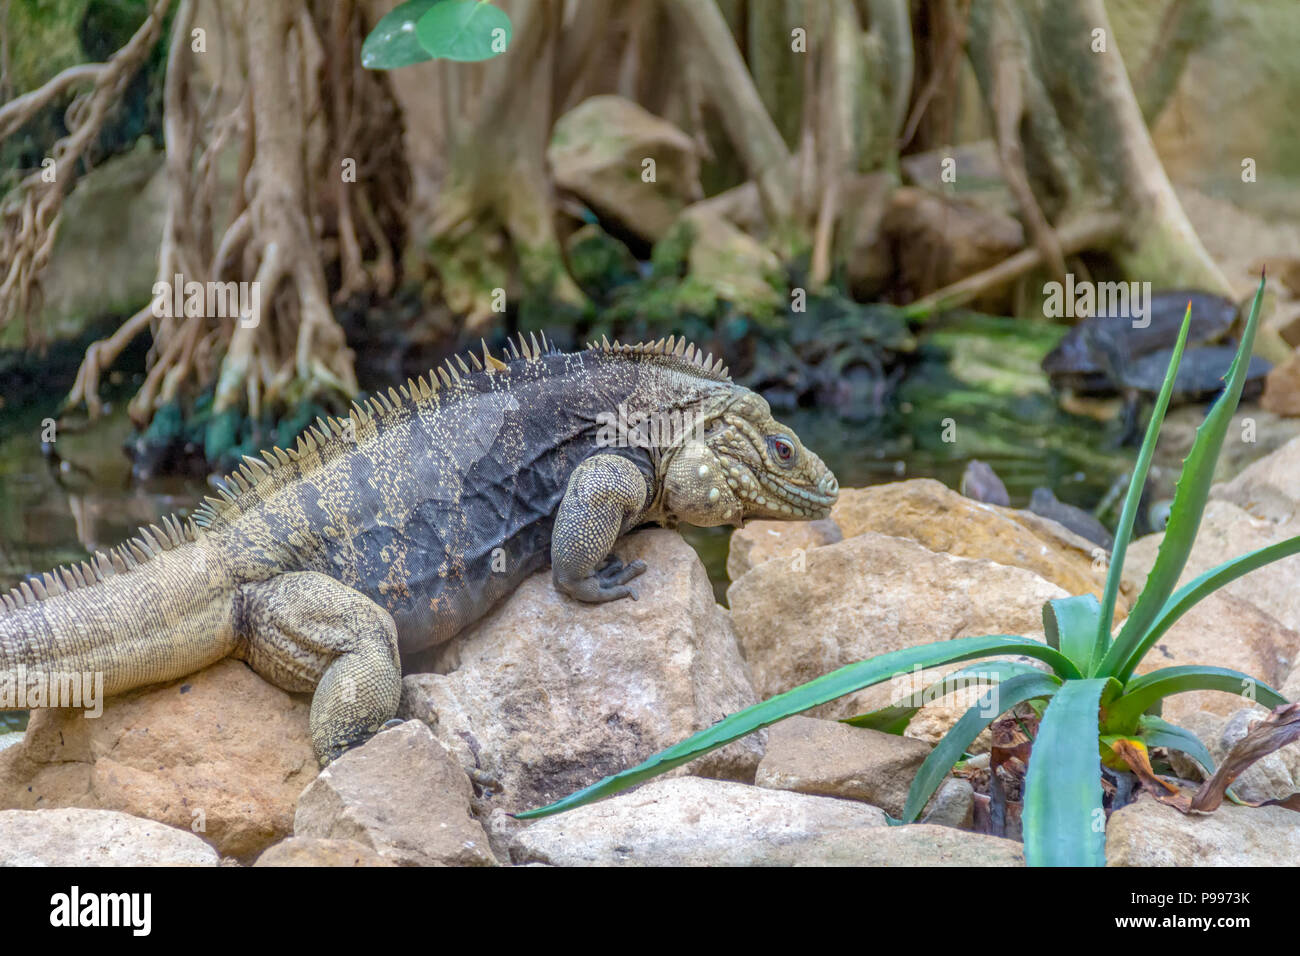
[(980, 482), (1086, 359), (1044, 503), (1201, 373)]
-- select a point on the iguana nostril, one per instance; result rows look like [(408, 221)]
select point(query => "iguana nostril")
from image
[(828, 485)]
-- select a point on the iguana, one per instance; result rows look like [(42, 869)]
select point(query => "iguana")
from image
[(391, 530)]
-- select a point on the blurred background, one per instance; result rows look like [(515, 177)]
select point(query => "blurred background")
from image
[(897, 219)]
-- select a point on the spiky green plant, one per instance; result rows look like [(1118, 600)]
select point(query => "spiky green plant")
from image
[(1091, 695)]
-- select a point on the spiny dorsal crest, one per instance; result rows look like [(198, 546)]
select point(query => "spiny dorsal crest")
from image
[(133, 552), (671, 352), (330, 438)]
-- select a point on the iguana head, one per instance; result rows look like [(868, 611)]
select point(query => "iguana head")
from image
[(739, 463)]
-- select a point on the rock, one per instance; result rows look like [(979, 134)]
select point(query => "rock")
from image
[(10, 739), (400, 794), (222, 752), (312, 851), (1269, 489), (761, 541), (1226, 532), (1222, 630), (80, 837), (546, 695), (941, 239), (105, 262), (980, 482), (953, 805), (1282, 388), (830, 759), (597, 152), (941, 519), (868, 595), (1149, 833), (695, 822), (731, 264)]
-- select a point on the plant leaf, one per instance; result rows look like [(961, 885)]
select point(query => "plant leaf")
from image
[(1157, 732), (1141, 692), (1265, 736), (846, 680), (1132, 499), (1063, 818), (464, 30), (894, 718), (1196, 589), (1189, 505), (1070, 625), (393, 43), (949, 749)]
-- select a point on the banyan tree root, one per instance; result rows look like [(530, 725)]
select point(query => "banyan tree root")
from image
[(319, 190)]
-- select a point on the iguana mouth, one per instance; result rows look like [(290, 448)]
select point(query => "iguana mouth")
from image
[(795, 500)]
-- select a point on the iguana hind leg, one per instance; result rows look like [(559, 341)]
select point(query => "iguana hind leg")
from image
[(605, 496), (305, 631)]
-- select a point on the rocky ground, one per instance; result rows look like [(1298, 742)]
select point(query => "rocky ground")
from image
[(543, 697)]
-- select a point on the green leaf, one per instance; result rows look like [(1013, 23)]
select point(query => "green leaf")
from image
[(1063, 819), (1124, 530), (464, 30), (1189, 505), (1199, 587), (895, 718), (846, 680), (393, 43), (1143, 692), (948, 751), (1156, 732), (1070, 625)]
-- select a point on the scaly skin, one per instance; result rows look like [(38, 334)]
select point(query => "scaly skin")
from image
[(392, 530)]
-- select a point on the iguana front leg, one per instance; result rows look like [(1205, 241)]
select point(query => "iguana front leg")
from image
[(606, 495), (305, 631)]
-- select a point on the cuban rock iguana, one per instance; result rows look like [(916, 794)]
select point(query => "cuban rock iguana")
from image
[(391, 530)]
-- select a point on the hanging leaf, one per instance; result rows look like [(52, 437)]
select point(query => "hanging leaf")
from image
[(464, 30), (393, 42)]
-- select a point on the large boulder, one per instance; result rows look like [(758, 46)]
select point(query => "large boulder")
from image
[(598, 151), (1268, 489), (1149, 833), (868, 595), (930, 513), (77, 837), (696, 822), (222, 753), (400, 795), (546, 695)]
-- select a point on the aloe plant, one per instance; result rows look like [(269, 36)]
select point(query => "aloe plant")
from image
[(1092, 698)]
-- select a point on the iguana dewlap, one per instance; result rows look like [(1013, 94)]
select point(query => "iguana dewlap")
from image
[(393, 529)]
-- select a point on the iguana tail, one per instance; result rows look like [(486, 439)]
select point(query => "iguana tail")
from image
[(155, 609)]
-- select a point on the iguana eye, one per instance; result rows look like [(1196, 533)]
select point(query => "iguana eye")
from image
[(782, 449)]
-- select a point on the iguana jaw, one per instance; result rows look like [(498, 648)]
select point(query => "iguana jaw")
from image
[(741, 464)]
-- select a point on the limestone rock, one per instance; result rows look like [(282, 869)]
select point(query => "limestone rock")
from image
[(546, 695), (401, 795), (221, 749), (598, 150), (933, 515), (868, 595), (80, 837), (1149, 833), (313, 851), (695, 822), (1269, 488), (761, 541), (830, 759)]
